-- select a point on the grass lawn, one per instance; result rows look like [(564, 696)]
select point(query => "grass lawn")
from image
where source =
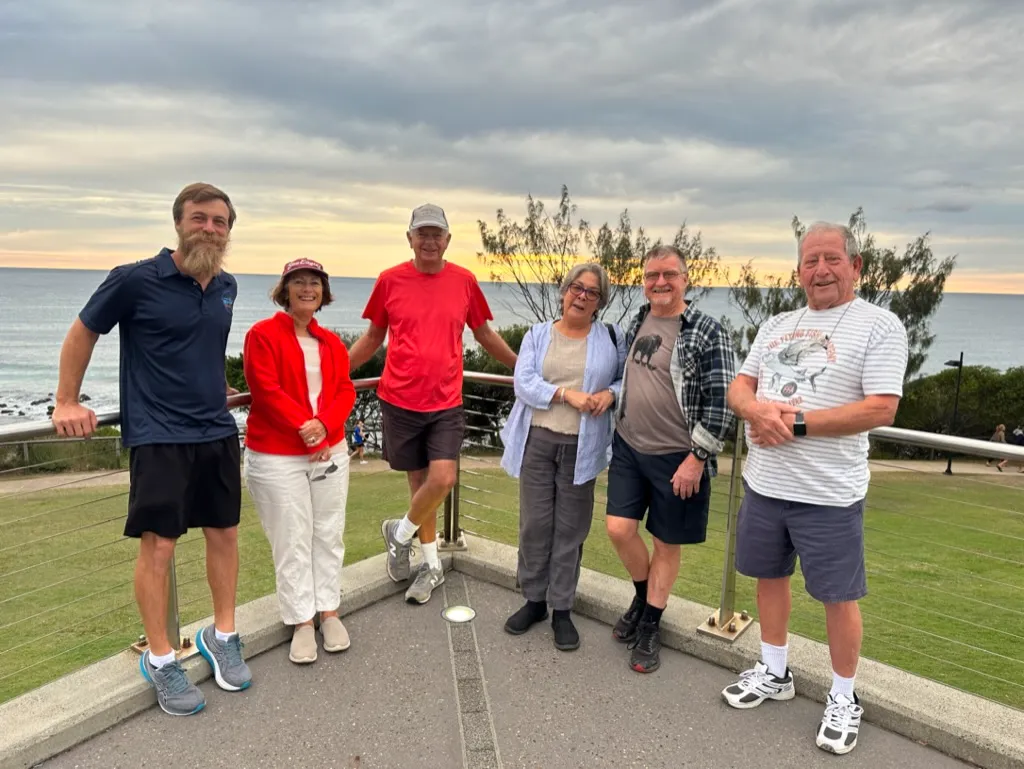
[(944, 560)]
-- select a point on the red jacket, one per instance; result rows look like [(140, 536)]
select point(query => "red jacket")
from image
[(275, 370)]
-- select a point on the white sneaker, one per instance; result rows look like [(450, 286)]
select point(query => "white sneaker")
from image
[(757, 685), (838, 730)]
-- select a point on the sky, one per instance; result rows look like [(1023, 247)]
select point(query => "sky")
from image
[(327, 121)]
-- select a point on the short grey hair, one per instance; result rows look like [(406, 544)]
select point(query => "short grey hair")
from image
[(603, 284), (662, 251), (849, 240)]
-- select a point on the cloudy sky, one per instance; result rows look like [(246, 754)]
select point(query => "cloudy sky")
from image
[(328, 120)]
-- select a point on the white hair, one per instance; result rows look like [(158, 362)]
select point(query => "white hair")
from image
[(849, 241)]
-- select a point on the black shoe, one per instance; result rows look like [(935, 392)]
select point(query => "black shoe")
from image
[(566, 637), (625, 628), (646, 649), (530, 614)]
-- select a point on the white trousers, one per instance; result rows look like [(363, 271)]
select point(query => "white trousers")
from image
[(304, 520)]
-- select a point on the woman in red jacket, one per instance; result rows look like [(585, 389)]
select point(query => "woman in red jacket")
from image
[(296, 462)]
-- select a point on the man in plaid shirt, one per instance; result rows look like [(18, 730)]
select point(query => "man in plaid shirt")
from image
[(671, 420)]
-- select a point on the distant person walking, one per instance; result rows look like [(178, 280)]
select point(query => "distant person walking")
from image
[(556, 440), (358, 442), (423, 306), (999, 436), (173, 312), (815, 382), (296, 462)]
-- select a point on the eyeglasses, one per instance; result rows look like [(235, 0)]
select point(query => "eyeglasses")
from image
[(577, 289), (668, 275), (327, 471)]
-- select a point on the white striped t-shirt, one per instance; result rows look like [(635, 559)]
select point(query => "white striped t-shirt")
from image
[(821, 359)]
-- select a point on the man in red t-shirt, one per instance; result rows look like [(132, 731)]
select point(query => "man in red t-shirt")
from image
[(424, 305)]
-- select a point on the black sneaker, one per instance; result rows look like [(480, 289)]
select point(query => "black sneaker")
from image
[(646, 648), (529, 615), (625, 628), (567, 639)]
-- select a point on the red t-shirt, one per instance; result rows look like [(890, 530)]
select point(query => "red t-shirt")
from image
[(425, 315)]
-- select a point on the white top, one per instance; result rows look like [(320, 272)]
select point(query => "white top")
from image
[(314, 378), (821, 359)]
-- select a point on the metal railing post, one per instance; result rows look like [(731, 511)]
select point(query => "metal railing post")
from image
[(173, 618), (726, 623), (451, 534)]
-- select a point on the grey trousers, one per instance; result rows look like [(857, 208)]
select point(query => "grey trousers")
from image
[(554, 519)]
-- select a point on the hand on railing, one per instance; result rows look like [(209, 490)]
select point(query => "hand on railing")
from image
[(73, 420)]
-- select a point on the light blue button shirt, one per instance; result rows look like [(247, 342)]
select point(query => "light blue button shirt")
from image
[(603, 370)]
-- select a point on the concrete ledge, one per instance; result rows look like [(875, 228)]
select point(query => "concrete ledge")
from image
[(961, 725), (70, 710)]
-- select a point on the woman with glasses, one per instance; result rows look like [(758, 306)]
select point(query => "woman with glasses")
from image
[(556, 442), (296, 458)]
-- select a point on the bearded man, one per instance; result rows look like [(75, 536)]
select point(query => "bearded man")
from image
[(173, 312)]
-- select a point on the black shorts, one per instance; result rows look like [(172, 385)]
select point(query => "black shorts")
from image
[(414, 439), (180, 486), (639, 483)]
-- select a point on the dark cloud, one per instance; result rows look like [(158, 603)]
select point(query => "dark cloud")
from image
[(713, 111)]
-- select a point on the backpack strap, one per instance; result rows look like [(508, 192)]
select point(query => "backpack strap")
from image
[(611, 333)]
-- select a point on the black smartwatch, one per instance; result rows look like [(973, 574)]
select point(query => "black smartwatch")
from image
[(799, 426), (702, 455)]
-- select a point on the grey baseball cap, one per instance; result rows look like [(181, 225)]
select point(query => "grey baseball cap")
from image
[(428, 215)]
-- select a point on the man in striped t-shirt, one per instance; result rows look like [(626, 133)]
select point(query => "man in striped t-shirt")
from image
[(815, 382)]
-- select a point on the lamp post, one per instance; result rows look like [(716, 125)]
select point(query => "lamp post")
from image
[(959, 366)]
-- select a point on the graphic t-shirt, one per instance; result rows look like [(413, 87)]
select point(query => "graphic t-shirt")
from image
[(822, 359), (652, 421), (425, 315)]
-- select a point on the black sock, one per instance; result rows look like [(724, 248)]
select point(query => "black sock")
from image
[(641, 590), (556, 613), (652, 615)]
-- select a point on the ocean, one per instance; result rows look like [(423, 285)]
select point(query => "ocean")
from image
[(38, 306)]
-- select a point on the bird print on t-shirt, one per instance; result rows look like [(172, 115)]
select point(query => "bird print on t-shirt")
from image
[(645, 347)]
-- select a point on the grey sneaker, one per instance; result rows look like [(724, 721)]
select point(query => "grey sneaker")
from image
[(398, 554), (225, 657), (175, 694), (423, 586)]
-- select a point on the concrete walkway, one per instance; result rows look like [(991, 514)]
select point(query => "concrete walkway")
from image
[(44, 482), (414, 691)]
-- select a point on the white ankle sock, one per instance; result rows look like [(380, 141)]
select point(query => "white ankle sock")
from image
[(406, 531), (429, 551), (842, 685), (775, 658), (158, 661), (222, 637)]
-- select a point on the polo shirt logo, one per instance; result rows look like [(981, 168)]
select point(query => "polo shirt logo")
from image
[(228, 301)]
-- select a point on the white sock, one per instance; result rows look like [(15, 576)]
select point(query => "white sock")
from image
[(429, 551), (406, 531), (775, 658), (222, 637), (160, 661), (842, 685)]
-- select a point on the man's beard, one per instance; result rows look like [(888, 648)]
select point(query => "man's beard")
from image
[(202, 253)]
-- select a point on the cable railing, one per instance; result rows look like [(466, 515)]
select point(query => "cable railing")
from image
[(944, 553)]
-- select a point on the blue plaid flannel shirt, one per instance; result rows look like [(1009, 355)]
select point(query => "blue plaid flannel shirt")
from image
[(703, 367)]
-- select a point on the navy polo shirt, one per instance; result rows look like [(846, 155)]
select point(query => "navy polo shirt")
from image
[(173, 339)]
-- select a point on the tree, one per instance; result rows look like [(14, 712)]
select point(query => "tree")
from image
[(910, 284), (533, 257)]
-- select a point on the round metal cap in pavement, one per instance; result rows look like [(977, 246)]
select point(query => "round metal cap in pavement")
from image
[(458, 613)]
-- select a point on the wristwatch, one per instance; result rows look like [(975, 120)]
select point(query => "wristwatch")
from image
[(799, 426), (700, 453)]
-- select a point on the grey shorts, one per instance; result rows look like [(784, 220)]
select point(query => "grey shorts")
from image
[(771, 533)]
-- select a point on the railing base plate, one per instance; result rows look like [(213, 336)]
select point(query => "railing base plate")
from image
[(443, 545), (188, 648), (732, 630)]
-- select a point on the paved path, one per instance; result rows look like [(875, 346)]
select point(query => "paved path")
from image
[(42, 482), (414, 691)]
